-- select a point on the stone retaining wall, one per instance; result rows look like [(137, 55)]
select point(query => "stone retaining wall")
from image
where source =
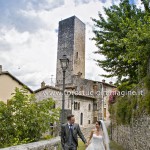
[(52, 144), (134, 137)]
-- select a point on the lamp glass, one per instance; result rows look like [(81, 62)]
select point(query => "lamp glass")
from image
[(64, 62)]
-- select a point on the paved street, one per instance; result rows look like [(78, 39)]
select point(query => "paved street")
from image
[(113, 146)]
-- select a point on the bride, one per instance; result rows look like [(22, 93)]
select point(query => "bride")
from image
[(99, 137)]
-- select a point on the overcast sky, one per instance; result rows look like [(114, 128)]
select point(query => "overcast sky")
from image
[(28, 36)]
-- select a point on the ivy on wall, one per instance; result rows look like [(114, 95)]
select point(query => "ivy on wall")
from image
[(132, 106)]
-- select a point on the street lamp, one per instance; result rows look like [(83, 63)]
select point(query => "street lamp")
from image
[(101, 111), (64, 61)]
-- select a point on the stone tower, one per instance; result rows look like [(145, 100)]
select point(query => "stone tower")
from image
[(71, 42)]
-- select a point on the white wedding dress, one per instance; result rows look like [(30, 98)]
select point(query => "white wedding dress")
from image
[(97, 143)]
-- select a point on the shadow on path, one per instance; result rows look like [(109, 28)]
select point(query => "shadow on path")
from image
[(113, 146)]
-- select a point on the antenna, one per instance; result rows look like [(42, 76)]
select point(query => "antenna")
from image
[(52, 79)]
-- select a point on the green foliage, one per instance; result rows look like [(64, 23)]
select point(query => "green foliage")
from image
[(23, 119), (147, 103), (123, 112), (147, 82), (123, 38), (129, 107), (126, 86)]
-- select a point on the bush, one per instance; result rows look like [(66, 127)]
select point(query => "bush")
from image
[(24, 120)]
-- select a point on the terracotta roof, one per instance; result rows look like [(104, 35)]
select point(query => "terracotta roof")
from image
[(58, 89), (108, 84), (14, 78), (90, 97), (47, 87)]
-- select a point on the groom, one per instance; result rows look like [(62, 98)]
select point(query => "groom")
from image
[(69, 132)]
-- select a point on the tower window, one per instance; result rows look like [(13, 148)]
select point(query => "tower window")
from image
[(76, 55)]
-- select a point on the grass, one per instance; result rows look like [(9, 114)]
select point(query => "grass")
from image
[(81, 145), (113, 146)]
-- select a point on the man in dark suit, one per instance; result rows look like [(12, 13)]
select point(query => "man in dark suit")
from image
[(69, 133)]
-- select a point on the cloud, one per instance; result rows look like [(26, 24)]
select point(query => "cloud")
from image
[(4, 46), (28, 37), (79, 2), (13, 13)]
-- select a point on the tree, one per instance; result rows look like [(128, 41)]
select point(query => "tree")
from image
[(116, 39), (23, 119)]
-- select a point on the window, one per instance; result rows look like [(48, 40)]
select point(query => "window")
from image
[(95, 119), (95, 88), (53, 106), (89, 121), (105, 93), (95, 106), (89, 107), (105, 112), (79, 106), (81, 88), (81, 119), (69, 102), (76, 106)]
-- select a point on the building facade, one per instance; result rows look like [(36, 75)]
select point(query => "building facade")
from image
[(8, 84)]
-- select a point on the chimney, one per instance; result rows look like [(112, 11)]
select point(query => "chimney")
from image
[(110, 82), (42, 84), (0, 68), (103, 81)]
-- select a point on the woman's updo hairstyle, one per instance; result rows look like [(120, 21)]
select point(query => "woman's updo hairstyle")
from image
[(99, 123)]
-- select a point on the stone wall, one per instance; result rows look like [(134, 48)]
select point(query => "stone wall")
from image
[(134, 137), (87, 130), (56, 95), (53, 144), (83, 115)]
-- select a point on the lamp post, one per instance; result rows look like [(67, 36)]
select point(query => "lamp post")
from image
[(64, 61), (102, 104)]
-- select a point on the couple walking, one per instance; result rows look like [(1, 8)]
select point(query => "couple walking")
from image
[(98, 139)]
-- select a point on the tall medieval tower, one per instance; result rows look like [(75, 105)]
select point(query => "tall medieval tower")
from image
[(71, 42)]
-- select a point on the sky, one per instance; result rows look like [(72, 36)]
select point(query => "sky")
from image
[(29, 35)]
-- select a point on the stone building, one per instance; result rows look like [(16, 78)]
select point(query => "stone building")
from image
[(71, 42), (79, 105), (8, 83), (83, 97)]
